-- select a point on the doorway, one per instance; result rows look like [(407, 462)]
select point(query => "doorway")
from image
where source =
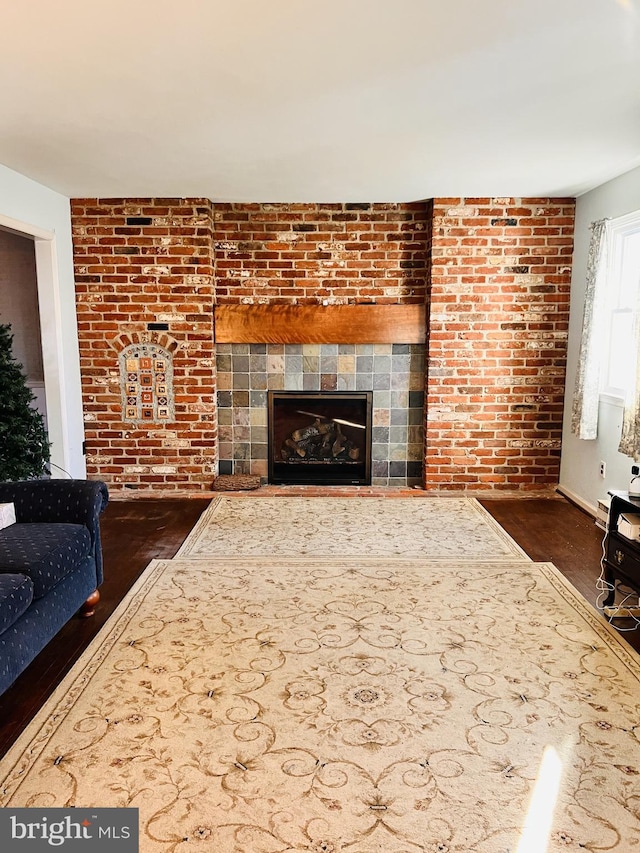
[(19, 308)]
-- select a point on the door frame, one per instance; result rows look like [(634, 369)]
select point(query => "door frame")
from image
[(52, 342)]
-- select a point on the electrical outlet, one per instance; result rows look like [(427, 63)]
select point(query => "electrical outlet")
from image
[(603, 469)]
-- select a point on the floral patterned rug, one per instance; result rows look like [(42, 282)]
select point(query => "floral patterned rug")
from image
[(348, 705), (435, 528)]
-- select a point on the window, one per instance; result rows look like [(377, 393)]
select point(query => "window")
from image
[(622, 278)]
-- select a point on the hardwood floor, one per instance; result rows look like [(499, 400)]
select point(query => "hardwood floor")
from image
[(556, 531), (137, 531)]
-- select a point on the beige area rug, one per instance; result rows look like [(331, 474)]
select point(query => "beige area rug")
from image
[(432, 528), (364, 705)]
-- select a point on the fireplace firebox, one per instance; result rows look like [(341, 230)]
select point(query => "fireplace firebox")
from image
[(320, 437)]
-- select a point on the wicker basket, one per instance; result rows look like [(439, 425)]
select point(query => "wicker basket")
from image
[(235, 482)]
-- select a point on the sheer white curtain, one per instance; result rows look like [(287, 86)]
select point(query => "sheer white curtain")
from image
[(584, 413), (630, 437)]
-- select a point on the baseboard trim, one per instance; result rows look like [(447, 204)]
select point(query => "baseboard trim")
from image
[(577, 500)]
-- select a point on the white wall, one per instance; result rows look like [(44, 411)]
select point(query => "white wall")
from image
[(579, 468), (30, 208)]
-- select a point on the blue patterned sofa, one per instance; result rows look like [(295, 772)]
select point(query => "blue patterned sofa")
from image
[(50, 564)]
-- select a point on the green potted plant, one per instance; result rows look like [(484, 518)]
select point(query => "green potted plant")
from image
[(24, 446)]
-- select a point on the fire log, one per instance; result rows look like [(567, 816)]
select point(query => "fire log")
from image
[(320, 441)]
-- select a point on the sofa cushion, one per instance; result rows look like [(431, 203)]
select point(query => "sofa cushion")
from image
[(16, 594), (45, 552)]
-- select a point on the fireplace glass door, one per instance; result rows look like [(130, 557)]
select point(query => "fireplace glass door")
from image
[(320, 437)]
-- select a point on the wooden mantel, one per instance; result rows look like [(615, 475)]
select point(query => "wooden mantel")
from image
[(320, 324)]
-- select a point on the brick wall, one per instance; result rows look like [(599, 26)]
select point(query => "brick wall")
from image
[(500, 277), (500, 272), (141, 262), (338, 253)]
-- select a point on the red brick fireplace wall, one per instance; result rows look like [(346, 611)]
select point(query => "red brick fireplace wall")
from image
[(500, 278), (334, 253), (152, 269), (140, 263)]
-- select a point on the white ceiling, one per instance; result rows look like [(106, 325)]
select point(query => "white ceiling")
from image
[(332, 100)]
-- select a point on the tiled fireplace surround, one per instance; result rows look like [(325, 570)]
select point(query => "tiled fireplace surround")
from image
[(493, 275), (394, 372)]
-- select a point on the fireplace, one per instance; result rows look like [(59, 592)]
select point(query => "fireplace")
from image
[(319, 437), (393, 372)]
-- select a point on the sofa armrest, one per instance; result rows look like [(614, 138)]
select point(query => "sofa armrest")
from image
[(60, 501)]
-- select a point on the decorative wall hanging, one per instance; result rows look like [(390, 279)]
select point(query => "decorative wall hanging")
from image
[(146, 382)]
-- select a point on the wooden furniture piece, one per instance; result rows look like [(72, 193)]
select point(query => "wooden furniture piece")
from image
[(622, 555)]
